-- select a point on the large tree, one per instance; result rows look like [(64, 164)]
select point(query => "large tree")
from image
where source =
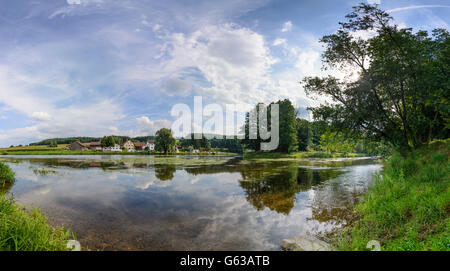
[(402, 90), (108, 141), (164, 140), (287, 127)]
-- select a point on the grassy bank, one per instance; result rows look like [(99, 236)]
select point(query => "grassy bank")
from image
[(22, 229), (299, 155), (408, 207)]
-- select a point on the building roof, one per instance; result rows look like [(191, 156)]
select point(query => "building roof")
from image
[(77, 143), (139, 144), (95, 144), (151, 141)]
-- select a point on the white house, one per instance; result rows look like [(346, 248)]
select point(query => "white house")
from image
[(150, 145), (116, 148), (129, 146)]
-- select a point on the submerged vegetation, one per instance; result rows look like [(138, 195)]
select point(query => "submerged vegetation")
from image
[(408, 207)]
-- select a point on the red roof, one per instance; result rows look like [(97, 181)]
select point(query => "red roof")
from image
[(151, 141), (139, 144), (95, 144)]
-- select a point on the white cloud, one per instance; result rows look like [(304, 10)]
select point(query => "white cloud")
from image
[(279, 41), (416, 7), (374, 2), (146, 126), (83, 2), (74, 2), (287, 26), (41, 116)]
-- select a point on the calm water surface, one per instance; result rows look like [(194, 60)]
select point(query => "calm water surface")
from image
[(189, 203)]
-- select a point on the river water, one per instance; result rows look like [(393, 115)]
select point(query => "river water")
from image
[(189, 203)]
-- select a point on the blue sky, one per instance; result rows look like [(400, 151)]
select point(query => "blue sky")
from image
[(99, 67)]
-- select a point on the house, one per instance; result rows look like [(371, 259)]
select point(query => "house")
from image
[(96, 146), (115, 148), (77, 146), (139, 146), (129, 146), (150, 145)]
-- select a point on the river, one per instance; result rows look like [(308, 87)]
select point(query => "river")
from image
[(190, 203)]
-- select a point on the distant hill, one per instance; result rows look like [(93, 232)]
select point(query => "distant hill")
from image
[(83, 139)]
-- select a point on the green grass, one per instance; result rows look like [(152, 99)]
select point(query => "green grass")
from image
[(272, 155), (35, 148), (22, 229), (6, 175), (28, 230), (407, 209)]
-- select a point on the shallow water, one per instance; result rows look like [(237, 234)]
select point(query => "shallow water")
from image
[(189, 203)]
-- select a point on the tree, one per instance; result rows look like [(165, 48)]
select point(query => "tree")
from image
[(304, 134), (164, 140), (288, 132), (337, 142), (402, 90), (108, 141), (287, 127), (53, 144), (252, 124)]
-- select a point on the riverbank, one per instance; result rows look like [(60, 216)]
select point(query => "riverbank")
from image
[(24, 229), (298, 155), (408, 206)]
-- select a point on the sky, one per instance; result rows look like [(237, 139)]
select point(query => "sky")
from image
[(101, 67)]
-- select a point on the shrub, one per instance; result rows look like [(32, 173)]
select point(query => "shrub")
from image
[(6, 174)]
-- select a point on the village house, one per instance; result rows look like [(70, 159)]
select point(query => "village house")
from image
[(77, 146), (129, 146), (115, 148), (139, 146), (150, 145), (96, 146)]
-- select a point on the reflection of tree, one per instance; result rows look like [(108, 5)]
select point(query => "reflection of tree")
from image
[(308, 178), (277, 192), (165, 172)]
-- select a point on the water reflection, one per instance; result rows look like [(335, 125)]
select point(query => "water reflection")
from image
[(277, 192), (165, 172), (184, 203)]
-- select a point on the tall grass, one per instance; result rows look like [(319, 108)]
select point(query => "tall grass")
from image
[(22, 229), (28, 230), (6, 175), (408, 206)]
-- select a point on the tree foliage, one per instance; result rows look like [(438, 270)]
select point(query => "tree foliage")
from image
[(108, 141), (164, 141), (402, 91), (287, 127)]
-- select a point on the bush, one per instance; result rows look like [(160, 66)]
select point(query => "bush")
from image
[(6, 174)]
